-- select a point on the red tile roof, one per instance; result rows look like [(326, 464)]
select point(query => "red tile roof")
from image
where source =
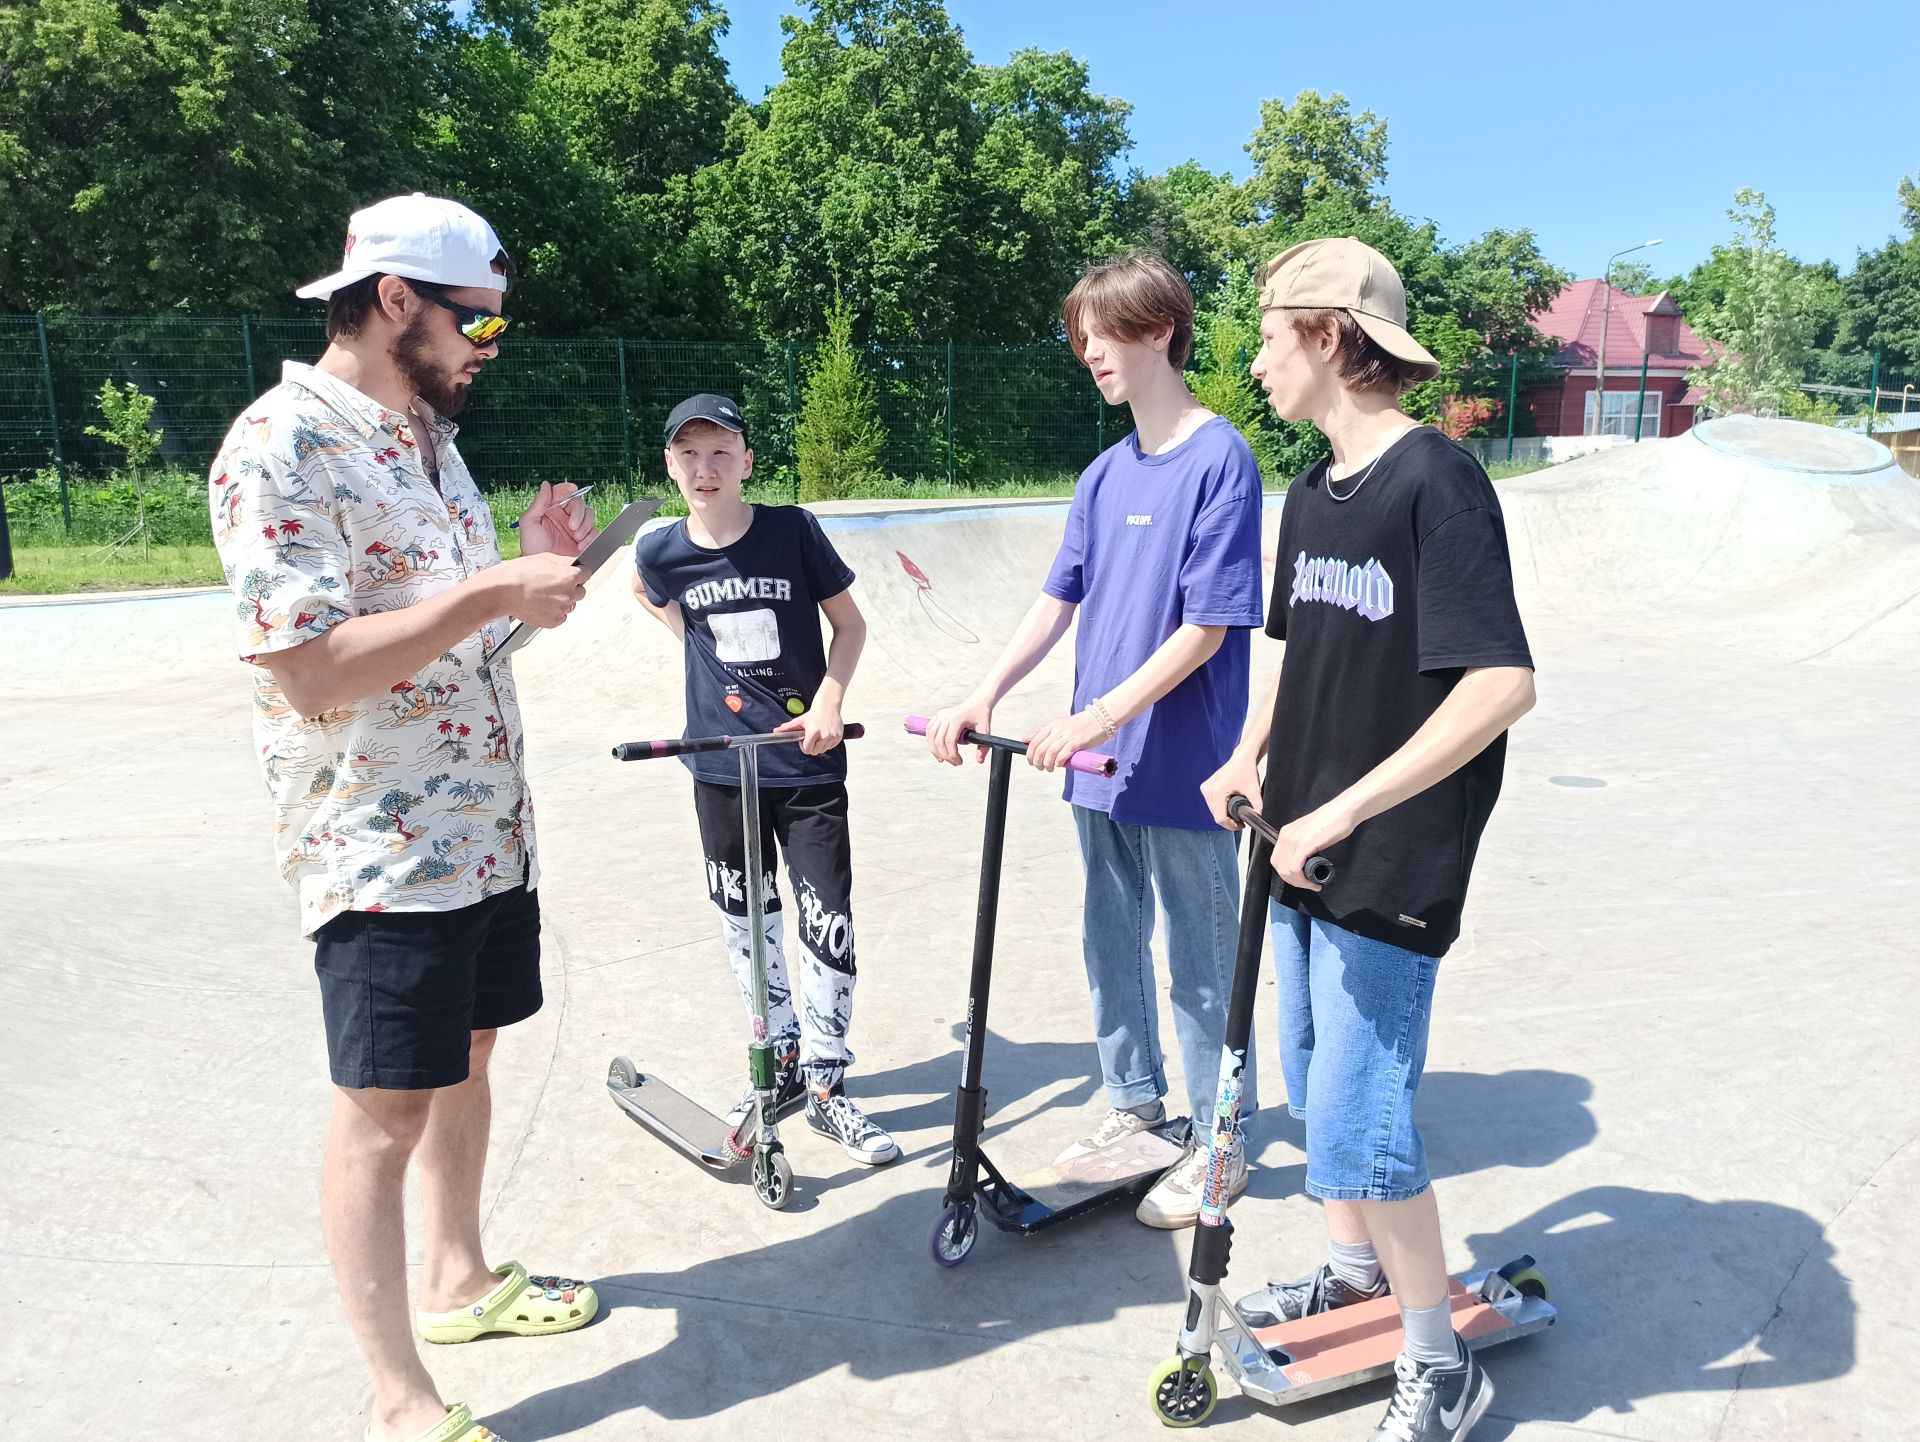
[(1574, 320)]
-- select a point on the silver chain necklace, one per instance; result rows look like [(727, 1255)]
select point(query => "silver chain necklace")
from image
[(1357, 484), (1363, 475)]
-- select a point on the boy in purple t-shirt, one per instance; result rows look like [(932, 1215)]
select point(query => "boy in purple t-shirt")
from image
[(1161, 558)]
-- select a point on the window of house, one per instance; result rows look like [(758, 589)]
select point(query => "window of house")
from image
[(1619, 417)]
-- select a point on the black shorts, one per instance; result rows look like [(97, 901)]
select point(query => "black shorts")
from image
[(404, 991)]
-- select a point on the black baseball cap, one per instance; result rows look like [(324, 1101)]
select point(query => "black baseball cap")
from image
[(707, 407)]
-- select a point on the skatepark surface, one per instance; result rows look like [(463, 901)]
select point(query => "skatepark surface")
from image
[(1673, 1054)]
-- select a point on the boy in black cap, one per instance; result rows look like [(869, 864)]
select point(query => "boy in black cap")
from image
[(743, 586)]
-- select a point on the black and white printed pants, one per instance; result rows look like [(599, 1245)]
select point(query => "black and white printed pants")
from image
[(809, 823)]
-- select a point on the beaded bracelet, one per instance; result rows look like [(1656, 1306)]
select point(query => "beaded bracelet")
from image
[(1105, 717)]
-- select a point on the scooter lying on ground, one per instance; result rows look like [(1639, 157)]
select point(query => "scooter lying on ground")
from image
[(1065, 1190), (1330, 1350), (680, 1122)]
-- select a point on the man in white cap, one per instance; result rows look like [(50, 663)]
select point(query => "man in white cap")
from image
[(370, 597), (1385, 737)]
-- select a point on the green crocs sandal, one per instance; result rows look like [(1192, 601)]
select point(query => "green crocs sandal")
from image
[(459, 1426), (523, 1305)]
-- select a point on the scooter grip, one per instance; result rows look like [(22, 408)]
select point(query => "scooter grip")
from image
[(638, 751), (1318, 869), (1093, 763)]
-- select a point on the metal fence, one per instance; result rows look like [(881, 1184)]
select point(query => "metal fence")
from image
[(558, 410)]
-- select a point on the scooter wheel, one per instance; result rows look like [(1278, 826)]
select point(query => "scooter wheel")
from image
[(623, 1074), (1528, 1281), (773, 1179), (954, 1233), (1184, 1392)]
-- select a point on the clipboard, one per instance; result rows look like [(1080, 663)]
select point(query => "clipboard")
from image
[(601, 549)]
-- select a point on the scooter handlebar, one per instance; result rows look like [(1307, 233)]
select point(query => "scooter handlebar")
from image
[(1093, 763), (1318, 869), (693, 745)]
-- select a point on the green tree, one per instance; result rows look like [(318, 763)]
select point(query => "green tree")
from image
[(200, 155), (838, 436), (1313, 148), (576, 126), (129, 417), (1226, 338), (1880, 300), (1762, 322), (942, 199)]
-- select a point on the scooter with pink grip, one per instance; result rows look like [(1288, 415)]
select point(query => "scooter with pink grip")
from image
[(1066, 1189)]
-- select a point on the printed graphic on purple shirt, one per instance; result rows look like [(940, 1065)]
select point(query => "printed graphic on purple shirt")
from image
[(1154, 543)]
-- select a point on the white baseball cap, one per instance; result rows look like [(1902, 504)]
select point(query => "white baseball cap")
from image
[(421, 237)]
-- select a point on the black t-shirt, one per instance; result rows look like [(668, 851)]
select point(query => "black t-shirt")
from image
[(1384, 600), (755, 655)]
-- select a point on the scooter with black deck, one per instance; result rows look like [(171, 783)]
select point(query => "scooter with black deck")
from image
[(975, 1186)]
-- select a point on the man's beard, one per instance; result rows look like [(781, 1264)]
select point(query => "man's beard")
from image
[(413, 356)]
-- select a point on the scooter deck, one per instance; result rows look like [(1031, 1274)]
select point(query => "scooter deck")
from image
[(1356, 1344), (682, 1124), (1135, 1161)]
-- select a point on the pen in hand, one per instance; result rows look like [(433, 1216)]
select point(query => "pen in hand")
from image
[(578, 495)]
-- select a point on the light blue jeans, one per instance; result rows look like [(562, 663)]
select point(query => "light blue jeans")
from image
[(1353, 1045), (1196, 878)]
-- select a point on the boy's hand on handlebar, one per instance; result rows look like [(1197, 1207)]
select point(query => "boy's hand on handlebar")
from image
[(1309, 836), (1050, 746), (1239, 777), (820, 729), (950, 723)]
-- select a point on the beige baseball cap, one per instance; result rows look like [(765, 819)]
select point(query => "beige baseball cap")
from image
[(1344, 273)]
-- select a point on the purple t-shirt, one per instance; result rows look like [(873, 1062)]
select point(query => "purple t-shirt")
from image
[(1154, 543)]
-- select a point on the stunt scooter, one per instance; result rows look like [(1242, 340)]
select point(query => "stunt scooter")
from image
[(1330, 1350), (680, 1122), (1127, 1168)]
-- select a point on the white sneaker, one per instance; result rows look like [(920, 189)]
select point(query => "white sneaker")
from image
[(1117, 1125), (1174, 1201)]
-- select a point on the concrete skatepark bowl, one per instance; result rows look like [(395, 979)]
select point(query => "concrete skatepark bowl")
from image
[(1673, 1056)]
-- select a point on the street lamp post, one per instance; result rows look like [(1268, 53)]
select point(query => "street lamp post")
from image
[(1606, 313)]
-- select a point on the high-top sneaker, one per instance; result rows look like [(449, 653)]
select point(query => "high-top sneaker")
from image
[(788, 1092), (832, 1113)]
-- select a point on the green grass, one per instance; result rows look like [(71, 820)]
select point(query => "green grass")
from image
[(44, 570), (1507, 470), (47, 562)]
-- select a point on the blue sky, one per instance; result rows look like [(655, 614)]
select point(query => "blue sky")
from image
[(1493, 108)]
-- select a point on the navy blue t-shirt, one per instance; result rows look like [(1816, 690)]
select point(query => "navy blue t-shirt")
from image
[(755, 655)]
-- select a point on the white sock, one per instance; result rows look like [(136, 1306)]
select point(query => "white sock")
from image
[(1355, 1264), (1430, 1339)]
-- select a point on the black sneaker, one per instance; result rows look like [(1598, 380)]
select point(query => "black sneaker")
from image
[(788, 1092), (833, 1114), (1435, 1403), (1279, 1302)]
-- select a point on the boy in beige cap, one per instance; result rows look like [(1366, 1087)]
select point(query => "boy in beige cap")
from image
[(1385, 737)]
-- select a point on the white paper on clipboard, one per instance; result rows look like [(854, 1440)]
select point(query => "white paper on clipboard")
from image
[(601, 549)]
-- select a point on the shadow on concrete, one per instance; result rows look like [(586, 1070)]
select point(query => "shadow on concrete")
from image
[(1658, 1294), (1470, 1121), (862, 1295)]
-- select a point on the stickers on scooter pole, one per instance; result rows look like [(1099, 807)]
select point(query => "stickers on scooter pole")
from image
[(1226, 1111)]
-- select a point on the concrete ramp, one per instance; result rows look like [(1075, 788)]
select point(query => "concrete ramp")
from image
[(1791, 540)]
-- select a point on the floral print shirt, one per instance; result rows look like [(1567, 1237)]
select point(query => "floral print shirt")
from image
[(414, 799)]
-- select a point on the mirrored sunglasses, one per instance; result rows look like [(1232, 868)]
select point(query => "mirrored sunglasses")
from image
[(480, 327)]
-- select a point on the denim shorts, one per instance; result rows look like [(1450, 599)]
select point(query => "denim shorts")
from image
[(1353, 1043)]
